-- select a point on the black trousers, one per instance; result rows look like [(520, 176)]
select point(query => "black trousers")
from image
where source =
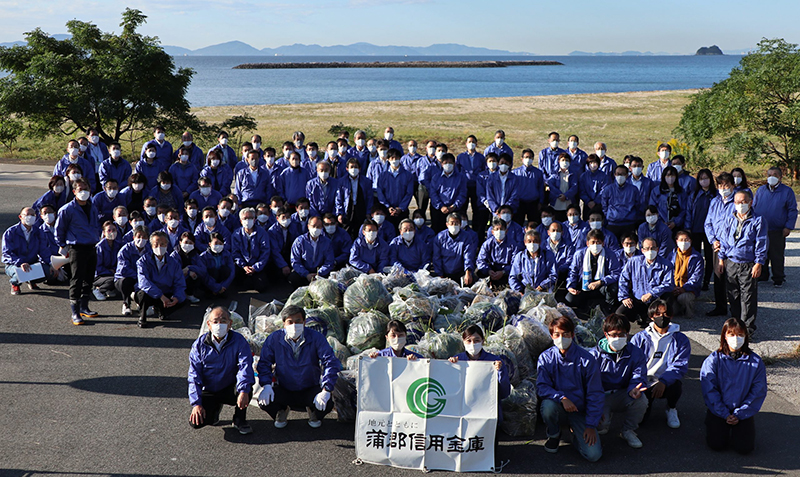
[(720, 435), (720, 290), (355, 217), (495, 284), (126, 286), (104, 284), (145, 301), (742, 292), (639, 311), (396, 219), (422, 198), (82, 265), (257, 281), (587, 211), (529, 210), (438, 220), (775, 257), (296, 401), (480, 222), (606, 296), (672, 394), (708, 255), (297, 280), (193, 285), (212, 403)]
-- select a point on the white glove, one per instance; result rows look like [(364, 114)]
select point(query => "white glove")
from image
[(321, 400), (266, 396)]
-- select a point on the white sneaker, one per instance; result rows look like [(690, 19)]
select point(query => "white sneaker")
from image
[(672, 419), (280, 418), (312, 419), (602, 431), (98, 294), (193, 299), (632, 439), (126, 310)]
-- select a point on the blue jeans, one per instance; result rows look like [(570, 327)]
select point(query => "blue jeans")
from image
[(554, 416), (11, 271)]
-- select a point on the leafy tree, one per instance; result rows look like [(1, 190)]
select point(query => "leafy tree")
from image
[(10, 130), (753, 115), (118, 84), (237, 126)]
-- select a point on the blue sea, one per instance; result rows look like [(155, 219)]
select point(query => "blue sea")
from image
[(216, 83)]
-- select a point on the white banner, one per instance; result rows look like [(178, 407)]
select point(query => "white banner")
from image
[(427, 414)]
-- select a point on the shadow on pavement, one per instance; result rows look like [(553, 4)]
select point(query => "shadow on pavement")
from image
[(79, 340), (140, 386)]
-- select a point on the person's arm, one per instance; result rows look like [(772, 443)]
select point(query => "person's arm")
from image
[(511, 188), (696, 269), (178, 281), (711, 387), (515, 274), (195, 376), (638, 368), (356, 258), (503, 380), (330, 364), (327, 260), (625, 282), (755, 396), (10, 251), (470, 255), (677, 368), (231, 274), (245, 378), (438, 261), (236, 248), (791, 209), (572, 191), (433, 193), (761, 240), (408, 190), (145, 284), (595, 396), (664, 282), (552, 274), (708, 225), (264, 251), (545, 385), (461, 193), (614, 268), (484, 256)]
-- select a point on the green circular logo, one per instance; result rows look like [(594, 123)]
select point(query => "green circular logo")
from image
[(417, 398)]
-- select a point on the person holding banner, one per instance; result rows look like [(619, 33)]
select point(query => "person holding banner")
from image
[(297, 352), (396, 339), (473, 351), (572, 391), (24, 245)]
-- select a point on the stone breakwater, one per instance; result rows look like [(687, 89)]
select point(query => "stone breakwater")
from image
[(395, 64)]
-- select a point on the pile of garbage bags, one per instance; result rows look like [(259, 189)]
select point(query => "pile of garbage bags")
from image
[(352, 310)]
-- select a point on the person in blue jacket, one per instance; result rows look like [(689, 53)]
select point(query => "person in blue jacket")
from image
[(184, 173), (56, 195), (643, 184), (495, 256), (192, 266), (282, 235), (655, 228), (369, 253), (596, 220), (173, 228), (72, 157), (671, 200), (25, 244), (448, 192), (149, 166), (125, 277), (575, 228), (656, 168), (607, 165), (776, 204), (205, 195), (667, 352), (591, 185), (107, 200), (454, 253), (321, 190), (514, 231), (47, 216), (298, 370), (353, 198), (160, 146), (704, 193), (396, 336), (534, 267), (499, 146), (685, 179), (107, 249), (470, 163), (734, 383), (114, 167), (563, 250), (218, 173), (96, 150), (688, 274), (250, 247), (386, 230), (623, 371), (340, 240), (220, 372), (502, 187), (311, 255), (226, 215), (196, 155), (619, 201), (409, 250), (293, 180), (219, 265), (742, 254), (740, 180), (481, 215), (209, 225), (253, 184), (423, 231), (721, 206), (380, 164), (577, 155), (191, 215), (135, 193), (226, 153), (571, 390), (166, 193), (77, 230), (630, 247), (643, 280), (531, 189), (395, 188), (549, 156), (593, 274), (161, 282)]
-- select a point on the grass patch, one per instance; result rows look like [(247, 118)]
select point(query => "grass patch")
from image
[(792, 357)]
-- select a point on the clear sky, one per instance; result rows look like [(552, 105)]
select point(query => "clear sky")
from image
[(548, 28)]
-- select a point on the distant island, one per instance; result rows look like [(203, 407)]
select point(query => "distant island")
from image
[(394, 64), (709, 51)]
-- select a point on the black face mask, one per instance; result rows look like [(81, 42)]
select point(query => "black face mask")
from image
[(662, 321)]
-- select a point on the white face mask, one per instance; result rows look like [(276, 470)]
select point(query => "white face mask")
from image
[(112, 193), (555, 236), (663, 154), (473, 349), (284, 222), (173, 223), (372, 149), (499, 234), (332, 154), (205, 191), (330, 229), (742, 208), (734, 342), (314, 232), (287, 153), (397, 343), (388, 136), (725, 192), (166, 187), (116, 153), (303, 213), (370, 236), (360, 142), (395, 163), (419, 222), (471, 146), (248, 223), (73, 152), (137, 223), (187, 247), (82, 195), (50, 218), (83, 147), (636, 171), (323, 175), (408, 236), (184, 158), (139, 242), (94, 139), (214, 162), (617, 343), (573, 144), (412, 150), (505, 218), (532, 247), (379, 218), (601, 153), (58, 189), (651, 219), (262, 218), (160, 251), (630, 249), (564, 165), (705, 183), (151, 154), (464, 224), (353, 172), (546, 221), (312, 154), (210, 221), (223, 141), (573, 219), (491, 165), (499, 141), (121, 221), (159, 136), (382, 153), (298, 144), (192, 213), (562, 342), (595, 225), (137, 186), (684, 246), (678, 167), (554, 144), (162, 217), (29, 219), (504, 168), (224, 212), (439, 155), (448, 168), (454, 229), (219, 330), (596, 248), (650, 254), (187, 143), (150, 211), (593, 166), (270, 160), (217, 248), (620, 179), (527, 161), (771, 180)]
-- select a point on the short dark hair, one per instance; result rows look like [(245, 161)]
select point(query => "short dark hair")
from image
[(562, 323), (655, 305), (472, 330), (397, 326), (596, 234), (292, 310), (616, 322)]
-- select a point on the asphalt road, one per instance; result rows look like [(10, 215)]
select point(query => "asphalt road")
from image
[(110, 399)]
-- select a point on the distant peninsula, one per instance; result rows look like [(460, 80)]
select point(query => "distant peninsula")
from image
[(709, 51), (394, 64)]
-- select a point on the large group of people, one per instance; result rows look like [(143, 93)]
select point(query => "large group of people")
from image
[(181, 224)]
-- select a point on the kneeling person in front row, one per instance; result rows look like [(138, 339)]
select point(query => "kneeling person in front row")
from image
[(220, 372), (571, 390), (161, 282), (297, 353)]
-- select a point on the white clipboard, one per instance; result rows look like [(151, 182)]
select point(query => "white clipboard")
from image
[(36, 272)]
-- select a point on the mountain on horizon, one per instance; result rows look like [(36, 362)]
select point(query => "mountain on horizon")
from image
[(238, 48)]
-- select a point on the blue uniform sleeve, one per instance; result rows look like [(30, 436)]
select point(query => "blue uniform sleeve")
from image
[(484, 256), (438, 261), (245, 378), (328, 261), (470, 255), (595, 396), (545, 381), (755, 395), (761, 240), (195, 375), (614, 268), (433, 192), (638, 369), (625, 281), (297, 259), (665, 281), (383, 256), (677, 368), (329, 362), (791, 210), (267, 360), (514, 276), (356, 260), (461, 193), (709, 383), (263, 251), (145, 284), (408, 191), (552, 272)]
